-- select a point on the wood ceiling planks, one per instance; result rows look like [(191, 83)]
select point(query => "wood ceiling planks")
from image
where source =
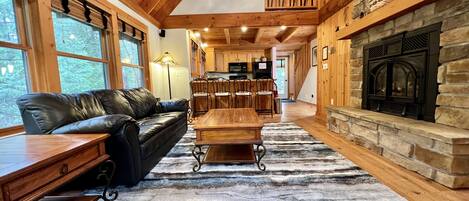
[(287, 34)]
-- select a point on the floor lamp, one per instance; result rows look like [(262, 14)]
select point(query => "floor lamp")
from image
[(167, 59)]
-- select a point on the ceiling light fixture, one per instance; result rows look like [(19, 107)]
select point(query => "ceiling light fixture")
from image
[(197, 34), (244, 28), (206, 29), (204, 45), (283, 27)]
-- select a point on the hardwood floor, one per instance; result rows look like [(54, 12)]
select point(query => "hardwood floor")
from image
[(407, 183)]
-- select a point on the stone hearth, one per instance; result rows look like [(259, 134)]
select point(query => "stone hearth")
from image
[(436, 151), (440, 150)]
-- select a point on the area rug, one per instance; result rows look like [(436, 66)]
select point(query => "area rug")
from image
[(299, 167)]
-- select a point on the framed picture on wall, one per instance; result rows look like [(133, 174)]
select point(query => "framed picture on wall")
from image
[(325, 53), (315, 56)]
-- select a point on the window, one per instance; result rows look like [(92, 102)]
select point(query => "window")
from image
[(131, 59), (13, 63), (82, 54)]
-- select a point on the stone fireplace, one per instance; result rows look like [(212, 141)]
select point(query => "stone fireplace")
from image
[(399, 74), (409, 86)]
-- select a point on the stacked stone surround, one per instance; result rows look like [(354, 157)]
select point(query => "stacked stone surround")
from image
[(453, 73), (438, 152)]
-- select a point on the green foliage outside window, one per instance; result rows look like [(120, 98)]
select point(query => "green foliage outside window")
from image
[(75, 37), (78, 75), (130, 54), (13, 75), (8, 28), (133, 77)]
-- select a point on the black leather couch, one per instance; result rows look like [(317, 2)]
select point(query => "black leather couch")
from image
[(142, 129)]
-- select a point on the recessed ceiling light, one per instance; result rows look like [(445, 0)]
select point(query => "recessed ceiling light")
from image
[(197, 34), (206, 29), (283, 27), (244, 28)]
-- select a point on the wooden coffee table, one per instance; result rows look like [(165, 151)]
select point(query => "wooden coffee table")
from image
[(232, 136)]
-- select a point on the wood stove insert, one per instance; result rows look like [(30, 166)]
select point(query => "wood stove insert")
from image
[(400, 74)]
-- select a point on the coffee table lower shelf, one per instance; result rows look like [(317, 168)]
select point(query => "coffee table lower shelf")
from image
[(229, 154)]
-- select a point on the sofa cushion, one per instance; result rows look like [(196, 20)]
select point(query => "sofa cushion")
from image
[(142, 101), (114, 102), (89, 105), (43, 112), (152, 125), (158, 137)]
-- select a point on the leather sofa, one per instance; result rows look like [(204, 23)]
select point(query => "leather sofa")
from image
[(142, 128)]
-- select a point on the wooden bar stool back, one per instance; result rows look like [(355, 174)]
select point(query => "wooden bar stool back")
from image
[(264, 96), (243, 93), (222, 93), (200, 96)]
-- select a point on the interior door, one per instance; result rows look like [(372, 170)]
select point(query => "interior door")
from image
[(281, 72)]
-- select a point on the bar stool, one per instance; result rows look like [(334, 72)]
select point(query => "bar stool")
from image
[(243, 89), (200, 93), (222, 91), (264, 96)]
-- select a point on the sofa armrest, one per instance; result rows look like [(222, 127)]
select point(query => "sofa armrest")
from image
[(123, 146), (180, 105)]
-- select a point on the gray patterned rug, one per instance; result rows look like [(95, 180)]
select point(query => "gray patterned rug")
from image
[(299, 167)]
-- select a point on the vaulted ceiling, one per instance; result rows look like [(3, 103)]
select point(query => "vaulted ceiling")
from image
[(224, 28)]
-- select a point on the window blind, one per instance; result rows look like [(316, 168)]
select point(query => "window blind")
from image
[(83, 11), (131, 31)]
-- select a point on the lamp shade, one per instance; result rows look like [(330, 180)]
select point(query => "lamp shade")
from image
[(165, 59)]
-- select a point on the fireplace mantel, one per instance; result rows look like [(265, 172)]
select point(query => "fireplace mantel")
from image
[(390, 11)]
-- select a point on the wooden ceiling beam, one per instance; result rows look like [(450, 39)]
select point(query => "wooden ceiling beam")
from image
[(227, 36), (259, 33), (287, 34), (164, 9), (230, 20), (139, 10), (332, 7)]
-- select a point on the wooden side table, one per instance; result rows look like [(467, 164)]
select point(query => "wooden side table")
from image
[(32, 166)]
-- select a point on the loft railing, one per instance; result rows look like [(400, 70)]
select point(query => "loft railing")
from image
[(291, 4)]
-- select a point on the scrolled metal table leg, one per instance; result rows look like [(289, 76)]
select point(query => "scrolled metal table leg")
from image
[(106, 173), (260, 153), (197, 153)]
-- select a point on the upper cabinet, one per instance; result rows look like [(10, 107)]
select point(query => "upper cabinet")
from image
[(218, 60)]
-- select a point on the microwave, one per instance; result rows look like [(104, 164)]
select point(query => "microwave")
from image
[(239, 67)]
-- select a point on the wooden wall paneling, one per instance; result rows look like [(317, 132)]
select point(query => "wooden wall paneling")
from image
[(333, 82), (330, 7), (259, 19), (301, 67)]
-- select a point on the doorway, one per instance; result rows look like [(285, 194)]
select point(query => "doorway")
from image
[(281, 72)]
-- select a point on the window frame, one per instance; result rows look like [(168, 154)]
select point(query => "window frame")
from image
[(144, 51), (24, 44), (105, 52), (140, 66)]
